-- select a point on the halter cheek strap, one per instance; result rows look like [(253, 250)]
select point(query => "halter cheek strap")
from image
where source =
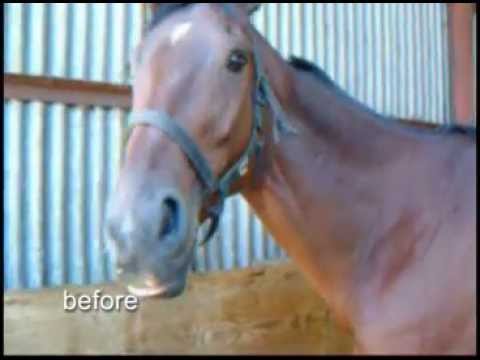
[(161, 120)]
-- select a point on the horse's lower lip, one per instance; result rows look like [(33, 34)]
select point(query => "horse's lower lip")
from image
[(149, 287), (147, 292)]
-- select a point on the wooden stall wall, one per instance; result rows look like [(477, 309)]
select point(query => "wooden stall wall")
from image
[(263, 310)]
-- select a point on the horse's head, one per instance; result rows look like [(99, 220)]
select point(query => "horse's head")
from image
[(195, 97)]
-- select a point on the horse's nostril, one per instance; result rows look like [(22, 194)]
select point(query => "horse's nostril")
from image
[(170, 218)]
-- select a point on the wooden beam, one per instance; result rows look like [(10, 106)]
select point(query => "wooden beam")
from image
[(88, 93), (65, 91), (460, 32), (269, 309)]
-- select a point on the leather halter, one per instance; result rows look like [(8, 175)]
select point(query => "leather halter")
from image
[(261, 96)]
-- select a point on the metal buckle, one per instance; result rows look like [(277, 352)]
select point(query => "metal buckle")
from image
[(214, 214), (261, 95)]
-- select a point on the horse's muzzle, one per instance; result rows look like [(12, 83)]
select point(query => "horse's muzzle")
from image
[(152, 242)]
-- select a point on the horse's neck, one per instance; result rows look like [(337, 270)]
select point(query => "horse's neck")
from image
[(320, 191)]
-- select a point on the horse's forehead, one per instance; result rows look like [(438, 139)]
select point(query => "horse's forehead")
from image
[(202, 21), (180, 31), (204, 26)]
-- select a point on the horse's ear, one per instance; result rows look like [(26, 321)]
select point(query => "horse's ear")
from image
[(249, 8)]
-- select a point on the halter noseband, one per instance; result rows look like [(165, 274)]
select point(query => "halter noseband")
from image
[(164, 122)]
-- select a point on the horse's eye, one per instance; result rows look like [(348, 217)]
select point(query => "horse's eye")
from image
[(237, 61)]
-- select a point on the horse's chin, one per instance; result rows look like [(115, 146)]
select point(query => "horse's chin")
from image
[(150, 288)]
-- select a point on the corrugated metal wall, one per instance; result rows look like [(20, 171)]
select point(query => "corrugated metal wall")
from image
[(392, 57), (84, 41), (60, 162), (59, 167), (474, 39)]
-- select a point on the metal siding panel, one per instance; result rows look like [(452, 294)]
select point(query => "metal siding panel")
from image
[(272, 24), (435, 86), (13, 192), (76, 187), (297, 29), (361, 57), (431, 63), (216, 255), (398, 79), (337, 40), (423, 56), (33, 216), (97, 40), (330, 48), (420, 75), (58, 40), (389, 58), (439, 68), (55, 162), (95, 194), (410, 79), (395, 55), (80, 23), (47, 197), (317, 31), (350, 31), (256, 241), (424, 65), (235, 238), (432, 84), (309, 37), (228, 234), (285, 18), (448, 97), (117, 71), (209, 255), (32, 39), (200, 262), (370, 68), (380, 59), (250, 237), (71, 40), (270, 246), (474, 47), (442, 69), (243, 232)]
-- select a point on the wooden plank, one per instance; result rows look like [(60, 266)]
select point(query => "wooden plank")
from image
[(265, 310), (87, 93), (65, 91), (460, 31)]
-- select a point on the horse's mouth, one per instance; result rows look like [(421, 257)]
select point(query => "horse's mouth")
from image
[(150, 288), (147, 292)]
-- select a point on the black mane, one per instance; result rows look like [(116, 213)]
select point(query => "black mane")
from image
[(308, 66), (470, 131), (312, 68)]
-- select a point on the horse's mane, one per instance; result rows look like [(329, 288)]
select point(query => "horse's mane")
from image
[(310, 67)]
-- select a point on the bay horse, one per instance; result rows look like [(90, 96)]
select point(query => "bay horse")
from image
[(379, 216)]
